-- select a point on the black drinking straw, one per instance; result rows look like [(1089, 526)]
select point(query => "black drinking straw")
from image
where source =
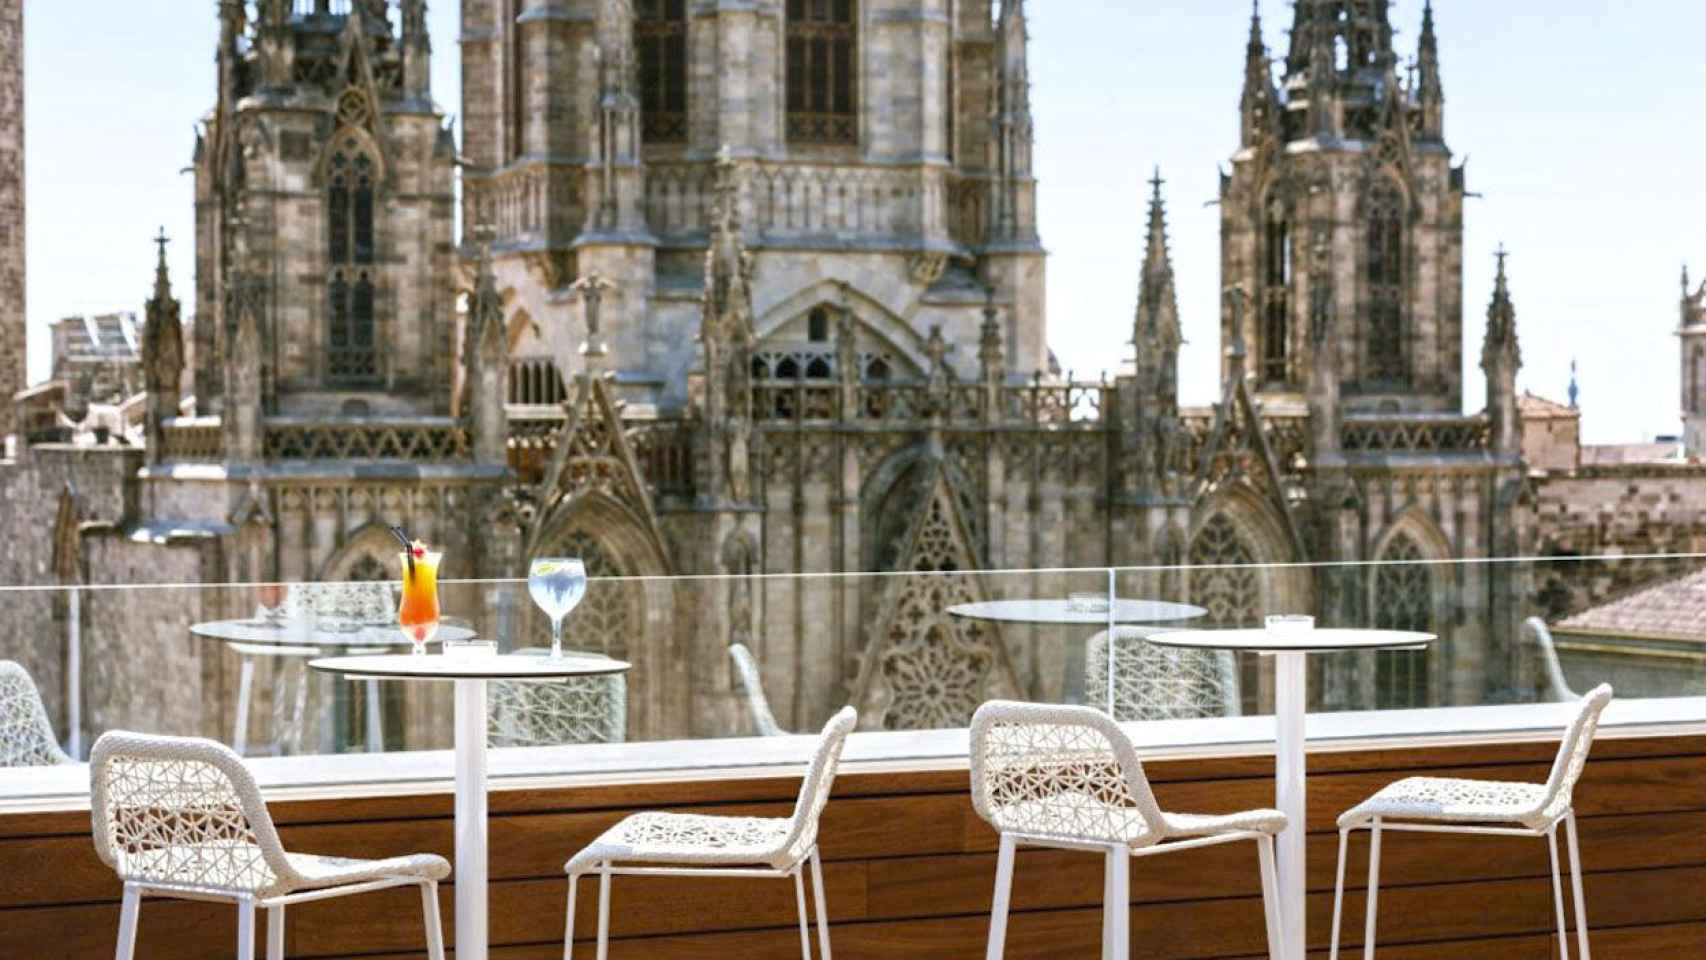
[(408, 549)]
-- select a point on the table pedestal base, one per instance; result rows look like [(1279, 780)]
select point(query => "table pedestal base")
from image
[(1291, 694), (470, 881)]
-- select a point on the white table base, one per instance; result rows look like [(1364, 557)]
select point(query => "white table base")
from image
[(1291, 695), (470, 719), (375, 719), (245, 686), (470, 676)]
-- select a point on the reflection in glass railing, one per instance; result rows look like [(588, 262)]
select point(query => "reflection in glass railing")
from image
[(737, 656)]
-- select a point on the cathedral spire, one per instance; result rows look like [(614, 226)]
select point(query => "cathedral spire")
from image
[(417, 50), (1260, 99), (485, 361), (162, 354), (1158, 304), (1430, 92), (1323, 76), (162, 279), (1501, 358), (1014, 214)]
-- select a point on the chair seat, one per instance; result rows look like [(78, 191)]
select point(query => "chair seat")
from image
[(1207, 825), (1450, 799), (683, 838), (320, 871), (240, 866), (1080, 816)]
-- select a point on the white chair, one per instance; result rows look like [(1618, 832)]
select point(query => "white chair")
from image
[(541, 714), (757, 704), (1068, 777), (1485, 808), (1557, 687), (26, 735), (1159, 683), (182, 818), (658, 844)]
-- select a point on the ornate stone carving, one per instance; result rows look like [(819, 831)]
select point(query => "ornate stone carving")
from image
[(925, 669), (927, 268)]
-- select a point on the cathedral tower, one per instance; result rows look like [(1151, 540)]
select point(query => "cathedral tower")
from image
[(1342, 194), (883, 151), (324, 217), (12, 318)]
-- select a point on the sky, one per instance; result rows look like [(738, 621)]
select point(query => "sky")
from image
[(1579, 119)]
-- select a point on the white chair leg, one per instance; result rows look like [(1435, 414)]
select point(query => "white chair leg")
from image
[(1339, 893), (1122, 902), (275, 932), (1558, 893), (822, 905), (800, 900), (604, 913), (429, 916), (1108, 905), (1003, 898), (569, 924), (246, 929), (127, 923), (1373, 890), (1576, 882), (1270, 896)]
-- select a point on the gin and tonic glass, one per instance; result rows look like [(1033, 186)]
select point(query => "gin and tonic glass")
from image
[(556, 585)]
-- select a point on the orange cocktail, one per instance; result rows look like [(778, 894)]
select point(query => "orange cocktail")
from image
[(418, 616)]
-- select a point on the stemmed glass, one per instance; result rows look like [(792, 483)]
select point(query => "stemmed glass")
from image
[(556, 585)]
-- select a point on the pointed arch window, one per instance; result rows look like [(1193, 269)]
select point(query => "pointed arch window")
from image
[(1386, 362), (660, 36), (1225, 582), (1403, 600), (822, 71), (1276, 294), (514, 81), (351, 181), (1228, 587)]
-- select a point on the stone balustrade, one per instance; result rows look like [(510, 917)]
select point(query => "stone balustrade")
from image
[(192, 440), (803, 200)]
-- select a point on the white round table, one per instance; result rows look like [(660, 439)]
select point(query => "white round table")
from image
[(257, 637), (1290, 651), (1066, 612), (470, 674)]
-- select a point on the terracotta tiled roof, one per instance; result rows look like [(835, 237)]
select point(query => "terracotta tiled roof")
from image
[(1673, 610), (1539, 408)]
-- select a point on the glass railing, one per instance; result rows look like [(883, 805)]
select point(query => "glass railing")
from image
[(913, 652)]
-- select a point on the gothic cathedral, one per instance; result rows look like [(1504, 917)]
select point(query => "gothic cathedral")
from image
[(757, 288)]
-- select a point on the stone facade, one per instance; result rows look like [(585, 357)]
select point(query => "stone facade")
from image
[(756, 289), (1551, 434), (12, 314)]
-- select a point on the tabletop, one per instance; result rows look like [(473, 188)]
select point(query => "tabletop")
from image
[(1324, 640), (1066, 611), (437, 666), (266, 632)]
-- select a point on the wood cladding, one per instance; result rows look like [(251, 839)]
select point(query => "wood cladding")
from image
[(910, 868)]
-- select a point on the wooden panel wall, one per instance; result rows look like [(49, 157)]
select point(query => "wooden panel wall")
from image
[(909, 871)]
